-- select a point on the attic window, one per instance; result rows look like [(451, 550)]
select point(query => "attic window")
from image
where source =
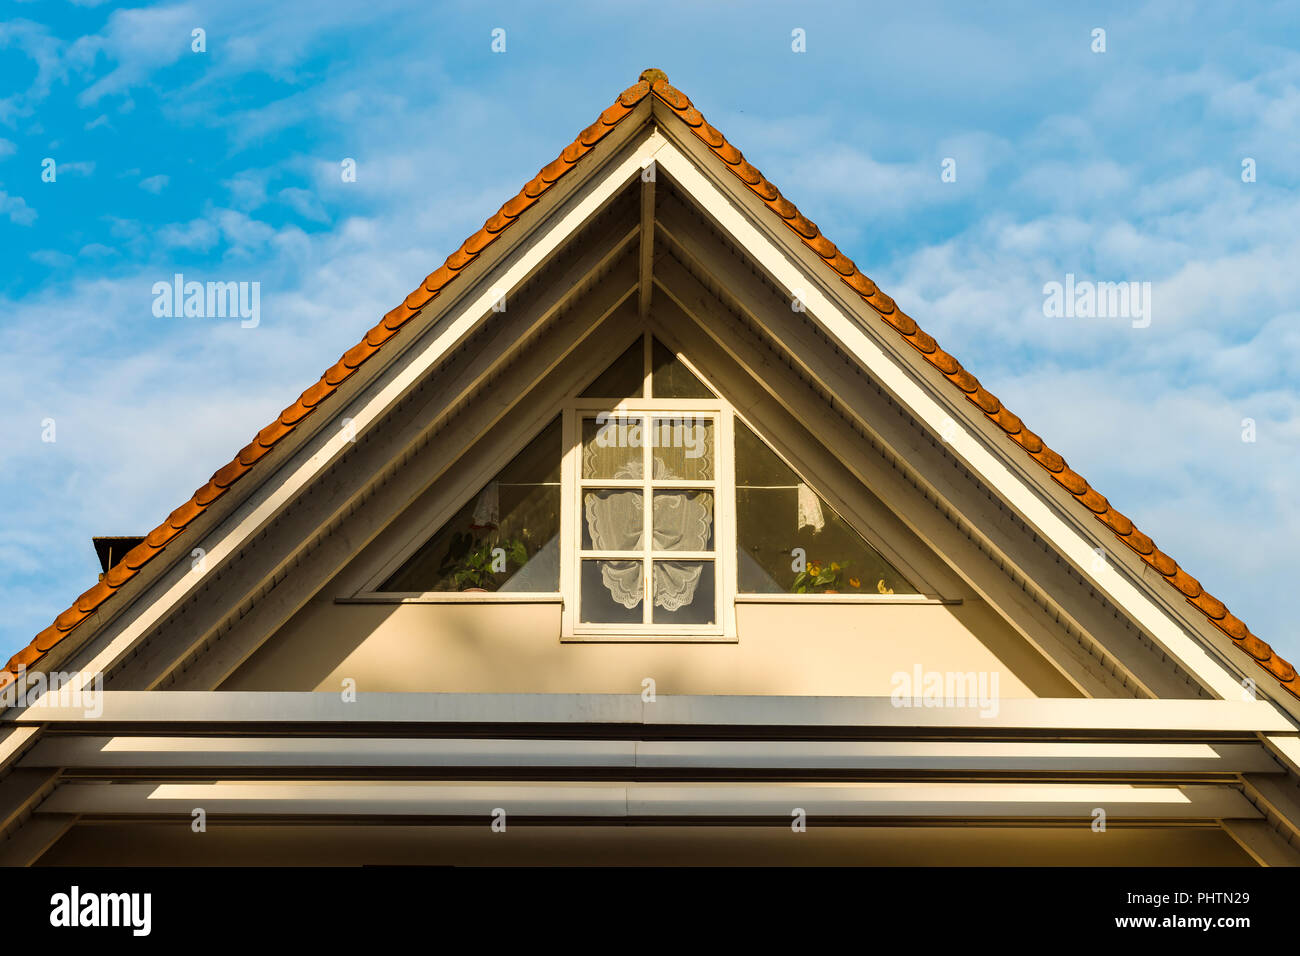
[(643, 462), (647, 509)]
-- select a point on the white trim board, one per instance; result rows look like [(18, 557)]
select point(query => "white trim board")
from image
[(249, 708), (965, 442), (364, 410)]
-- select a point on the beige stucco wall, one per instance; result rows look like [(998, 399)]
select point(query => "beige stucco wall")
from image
[(782, 649)]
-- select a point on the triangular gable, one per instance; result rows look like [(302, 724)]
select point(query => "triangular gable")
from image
[(671, 104)]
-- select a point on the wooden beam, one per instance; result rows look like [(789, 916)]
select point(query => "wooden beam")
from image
[(424, 469), (171, 651), (22, 790), (777, 393), (652, 800), (263, 501), (28, 843), (1263, 842), (1069, 597), (1214, 665), (646, 287), (343, 755)]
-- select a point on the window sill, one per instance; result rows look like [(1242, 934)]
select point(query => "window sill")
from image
[(455, 597), (648, 639), (843, 599)]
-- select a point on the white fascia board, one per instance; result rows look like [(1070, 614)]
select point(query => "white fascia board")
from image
[(250, 708), (364, 753), (965, 442), (364, 410)]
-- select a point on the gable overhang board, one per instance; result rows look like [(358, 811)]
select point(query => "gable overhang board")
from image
[(981, 447), (310, 455)]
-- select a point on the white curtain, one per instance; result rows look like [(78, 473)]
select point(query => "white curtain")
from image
[(682, 522)]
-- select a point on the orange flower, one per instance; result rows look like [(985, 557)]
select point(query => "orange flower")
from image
[(854, 582)]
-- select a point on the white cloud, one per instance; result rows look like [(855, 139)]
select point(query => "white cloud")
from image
[(16, 210), (52, 258), (138, 42), (306, 204), (85, 167), (155, 184)]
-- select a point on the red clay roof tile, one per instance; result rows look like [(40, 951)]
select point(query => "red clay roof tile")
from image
[(986, 400), (1209, 605), (655, 82), (1072, 482), (1117, 522), (1162, 563), (48, 638)]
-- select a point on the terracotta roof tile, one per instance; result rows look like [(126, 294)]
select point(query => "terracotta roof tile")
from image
[(654, 82), (1072, 481)]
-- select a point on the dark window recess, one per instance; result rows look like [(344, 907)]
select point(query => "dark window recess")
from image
[(505, 538)]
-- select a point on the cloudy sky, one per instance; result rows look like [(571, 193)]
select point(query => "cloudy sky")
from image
[(224, 164)]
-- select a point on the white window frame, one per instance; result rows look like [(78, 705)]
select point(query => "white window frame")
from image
[(576, 409)]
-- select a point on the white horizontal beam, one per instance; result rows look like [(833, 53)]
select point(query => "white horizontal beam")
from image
[(341, 753), (258, 707), (648, 800)]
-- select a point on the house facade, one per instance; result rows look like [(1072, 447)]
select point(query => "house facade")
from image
[(647, 529)]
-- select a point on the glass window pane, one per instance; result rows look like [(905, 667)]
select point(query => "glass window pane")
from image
[(505, 538), (612, 520), (611, 447), (683, 447), (670, 378), (625, 378), (788, 539), (612, 592), (683, 520), (684, 592)]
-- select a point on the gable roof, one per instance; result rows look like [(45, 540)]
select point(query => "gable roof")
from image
[(655, 83)]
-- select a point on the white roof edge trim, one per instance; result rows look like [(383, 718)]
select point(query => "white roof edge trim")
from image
[(965, 442), (327, 444)]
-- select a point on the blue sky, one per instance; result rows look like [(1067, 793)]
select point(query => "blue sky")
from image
[(1117, 166)]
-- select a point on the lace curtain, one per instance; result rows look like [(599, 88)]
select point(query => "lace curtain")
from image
[(615, 518)]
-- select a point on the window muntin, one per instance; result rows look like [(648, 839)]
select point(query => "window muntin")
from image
[(646, 503)]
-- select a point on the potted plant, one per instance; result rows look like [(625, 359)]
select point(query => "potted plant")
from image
[(818, 578), (471, 563)]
